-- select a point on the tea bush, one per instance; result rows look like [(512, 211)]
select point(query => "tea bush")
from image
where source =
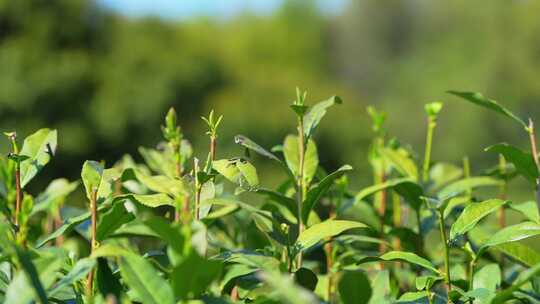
[(178, 229)]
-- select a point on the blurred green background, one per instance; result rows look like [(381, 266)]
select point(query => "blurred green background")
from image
[(105, 76)]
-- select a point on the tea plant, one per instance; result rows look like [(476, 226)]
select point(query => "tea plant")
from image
[(175, 229)]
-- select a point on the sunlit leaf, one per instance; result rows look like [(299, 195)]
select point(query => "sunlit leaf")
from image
[(39, 147)]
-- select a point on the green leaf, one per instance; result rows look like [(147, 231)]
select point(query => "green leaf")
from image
[(380, 187), (488, 277), (251, 145), (144, 281), (401, 161), (520, 252), (479, 99), (403, 256), (524, 277), (249, 172), (160, 162), (39, 147), (56, 192), (238, 171), (315, 193), (112, 220), (381, 292), (311, 158), (317, 112), (472, 214), (281, 199), (194, 275), (68, 225), (107, 283), (95, 177), (354, 288), (523, 161), (467, 184), (442, 174), (321, 231), (168, 233), (78, 272), (528, 209), (283, 288), (306, 278), (513, 233), (161, 183), (149, 200), (18, 292)]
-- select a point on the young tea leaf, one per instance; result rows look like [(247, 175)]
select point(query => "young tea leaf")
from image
[(523, 161), (472, 214), (479, 99), (40, 148)]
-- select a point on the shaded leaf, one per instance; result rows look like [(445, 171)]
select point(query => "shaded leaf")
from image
[(522, 161), (306, 278), (315, 193), (354, 287), (193, 275)]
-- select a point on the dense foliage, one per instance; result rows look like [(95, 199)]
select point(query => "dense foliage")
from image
[(178, 229)]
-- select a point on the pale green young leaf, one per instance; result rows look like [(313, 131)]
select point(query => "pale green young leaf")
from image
[(472, 214), (39, 147), (316, 113), (321, 231), (402, 256), (488, 277), (292, 154), (401, 161)]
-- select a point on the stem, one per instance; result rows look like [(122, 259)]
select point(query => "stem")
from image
[(427, 155), (18, 193), (213, 144), (329, 251), (471, 273), (396, 206), (532, 136), (300, 180), (446, 251), (197, 188), (93, 245), (178, 165), (502, 191), (57, 223)]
